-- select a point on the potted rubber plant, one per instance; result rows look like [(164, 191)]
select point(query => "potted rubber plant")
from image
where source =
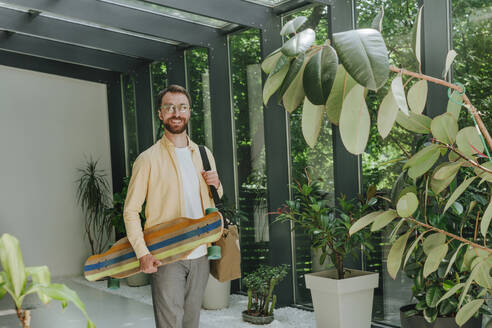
[(338, 292), (261, 300), (18, 281), (442, 234)]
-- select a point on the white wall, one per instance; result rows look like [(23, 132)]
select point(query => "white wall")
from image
[(49, 125)]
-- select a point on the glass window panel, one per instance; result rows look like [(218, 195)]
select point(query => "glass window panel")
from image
[(158, 73), (170, 12), (250, 146), (130, 121), (200, 126), (318, 161), (472, 40), (381, 162)]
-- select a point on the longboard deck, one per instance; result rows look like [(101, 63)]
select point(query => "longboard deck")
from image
[(168, 242)]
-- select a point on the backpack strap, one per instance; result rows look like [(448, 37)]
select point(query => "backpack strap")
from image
[(206, 167)]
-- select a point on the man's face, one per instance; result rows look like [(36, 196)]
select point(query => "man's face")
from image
[(177, 122)]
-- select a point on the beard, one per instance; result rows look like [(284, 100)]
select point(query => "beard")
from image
[(176, 129)]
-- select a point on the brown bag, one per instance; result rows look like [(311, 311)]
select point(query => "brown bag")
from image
[(228, 267)]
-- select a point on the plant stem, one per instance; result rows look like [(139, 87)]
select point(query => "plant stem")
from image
[(449, 234), (24, 317), (453, 149), (473, 110)]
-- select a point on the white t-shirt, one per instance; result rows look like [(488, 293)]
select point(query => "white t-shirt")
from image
[(191, 192)]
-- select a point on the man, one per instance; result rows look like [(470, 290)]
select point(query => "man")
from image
[(169, 176)]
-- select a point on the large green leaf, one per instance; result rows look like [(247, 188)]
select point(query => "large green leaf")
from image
[(468, 283), (483, 277), (270, 62), (482, 174), (377, 22), (40, 276), (312, 119), (434, 259), (422, 161), (451, 292), (275, 79), (341, 87), (399, 94), (417, 123), (417, 96), (363, 222), (433, 241), (437, 185), (294, 95), (444, 128), (449, 61), (355, 121), (412, 248), (447, 170), (467, 311), (64, 294), (299, 43), (12, 263), (432, 296), (453, 259), (294, 70), (485, 222), (395, 255), (293, 25), (457, 193), (454, 106), (416, 35), (319, 75), (388, 110), (364, 55), (383, 219), (407, 205), (468, 141)]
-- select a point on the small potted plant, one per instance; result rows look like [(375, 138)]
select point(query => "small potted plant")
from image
[(19, 281), (340, 291), (261, 300)]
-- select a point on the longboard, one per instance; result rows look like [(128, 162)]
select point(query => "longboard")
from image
[(168, 242)]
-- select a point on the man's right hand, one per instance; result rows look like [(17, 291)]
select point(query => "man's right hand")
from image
[(149, 264)]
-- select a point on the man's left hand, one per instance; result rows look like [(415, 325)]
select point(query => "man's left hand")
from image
[(211, 178)]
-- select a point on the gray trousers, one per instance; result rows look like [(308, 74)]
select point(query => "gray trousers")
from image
[(177, 292)]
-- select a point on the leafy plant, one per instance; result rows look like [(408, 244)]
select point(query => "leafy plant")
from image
[(93, 197), (115, 213), (433, 169), (260, 285), (19, 281), (327, 225)]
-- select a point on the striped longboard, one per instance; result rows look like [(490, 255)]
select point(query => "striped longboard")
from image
[(168, 242)]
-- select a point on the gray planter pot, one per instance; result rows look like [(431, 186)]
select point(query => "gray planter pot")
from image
[(256, 320), (418, 321), (138, 280)]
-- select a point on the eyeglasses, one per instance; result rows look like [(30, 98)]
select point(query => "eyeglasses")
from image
[(172, 108)]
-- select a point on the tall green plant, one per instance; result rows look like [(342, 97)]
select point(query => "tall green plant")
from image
[(93, 196), (19, 281), (362, 61), (326, 225)]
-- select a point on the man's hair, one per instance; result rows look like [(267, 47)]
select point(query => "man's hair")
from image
[(173, 88)]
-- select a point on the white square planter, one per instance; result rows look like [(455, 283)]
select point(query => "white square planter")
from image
[(345, 303)]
